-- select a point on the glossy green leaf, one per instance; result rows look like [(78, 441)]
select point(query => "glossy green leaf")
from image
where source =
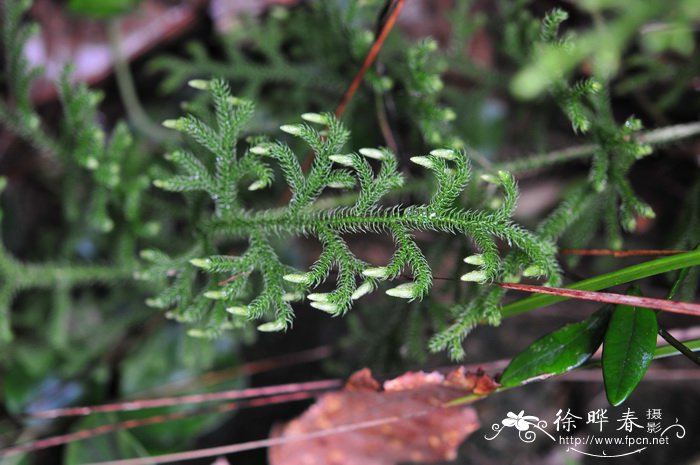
[(101, 8), (629, 346), (559, 351)]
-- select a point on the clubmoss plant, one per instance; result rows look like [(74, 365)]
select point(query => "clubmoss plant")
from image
[(233, 169), (104, 177), (217, 262)]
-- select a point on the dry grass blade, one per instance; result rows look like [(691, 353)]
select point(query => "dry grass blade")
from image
[(244, 446), (156, 419), (190, 399), (621, 253), (671, 306)]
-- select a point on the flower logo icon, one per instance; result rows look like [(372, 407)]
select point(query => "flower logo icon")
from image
[(520, 421)]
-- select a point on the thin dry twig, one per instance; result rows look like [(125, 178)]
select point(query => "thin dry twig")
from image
[(190, 399), (259, 444), (152, 420), (671, 306), (621, 253)]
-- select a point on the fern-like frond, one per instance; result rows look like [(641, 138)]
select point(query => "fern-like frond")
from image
[(230, 278)]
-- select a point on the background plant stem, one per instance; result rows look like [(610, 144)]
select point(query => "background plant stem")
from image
[(654, 137), (625, 275)]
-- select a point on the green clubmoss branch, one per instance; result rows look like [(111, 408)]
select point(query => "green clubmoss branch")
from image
[(104, 182), (332, 169), (17, 277), (655, 137)]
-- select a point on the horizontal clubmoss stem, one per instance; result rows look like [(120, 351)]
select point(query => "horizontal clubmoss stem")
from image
[(347, 219), (658, 136)]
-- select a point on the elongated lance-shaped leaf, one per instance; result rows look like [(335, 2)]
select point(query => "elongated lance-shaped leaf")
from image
[(628, 349), (559, 351)]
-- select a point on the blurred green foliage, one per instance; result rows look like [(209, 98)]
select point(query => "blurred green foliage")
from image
[(103, 8)]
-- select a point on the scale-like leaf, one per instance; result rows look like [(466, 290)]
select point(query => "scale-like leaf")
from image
[(628, 349), (559, 351)]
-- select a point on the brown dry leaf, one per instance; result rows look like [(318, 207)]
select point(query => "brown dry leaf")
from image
[(67, 38), (429, 437)]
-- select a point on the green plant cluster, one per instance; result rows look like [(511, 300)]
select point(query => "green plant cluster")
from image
[(276, 64), (216, 234), (610, 197), (68, 302), (104, 179), (276, 58), (424, 85), (332, 169), (603, 45), (617, 149), (219, 263)]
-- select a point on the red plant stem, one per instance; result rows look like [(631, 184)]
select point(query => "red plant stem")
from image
[(620, 253), (234, 277), (371, 56), (244, 446), (130, 424), (189, 399), (671, 306), (355, 84)]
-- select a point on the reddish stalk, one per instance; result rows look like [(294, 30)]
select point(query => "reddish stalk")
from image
[(234, 277), (130, 424), (371, 56), (620, 253), (369, 59), (671, 306), (190, 399)]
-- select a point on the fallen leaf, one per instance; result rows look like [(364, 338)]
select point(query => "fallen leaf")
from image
[(425, 429), (67, 38)]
